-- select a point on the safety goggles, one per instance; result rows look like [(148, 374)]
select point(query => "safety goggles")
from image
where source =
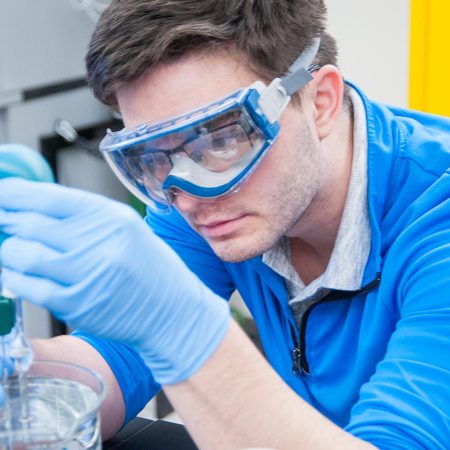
[(207, 152)]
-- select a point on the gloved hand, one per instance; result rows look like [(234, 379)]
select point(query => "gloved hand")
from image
[(96, 265)]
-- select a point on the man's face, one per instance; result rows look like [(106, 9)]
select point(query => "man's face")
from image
[(274, 197)]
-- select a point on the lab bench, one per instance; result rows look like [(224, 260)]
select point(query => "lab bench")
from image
[(145, 434)]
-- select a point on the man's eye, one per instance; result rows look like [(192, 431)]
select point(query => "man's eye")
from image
[(219, 142), (197, 156)]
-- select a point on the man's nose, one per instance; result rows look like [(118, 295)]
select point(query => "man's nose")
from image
[(185, 202)]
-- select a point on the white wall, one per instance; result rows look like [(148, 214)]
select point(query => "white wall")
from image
[(41, 42), (373, 40)]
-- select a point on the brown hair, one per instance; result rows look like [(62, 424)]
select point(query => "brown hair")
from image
[(132, 36)]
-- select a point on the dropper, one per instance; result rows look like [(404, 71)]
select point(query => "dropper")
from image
[(16, 350), (22, 355), (7, 321)]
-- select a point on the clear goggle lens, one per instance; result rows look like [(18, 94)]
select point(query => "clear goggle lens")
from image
[(215, 145)]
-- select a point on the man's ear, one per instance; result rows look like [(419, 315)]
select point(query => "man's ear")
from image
[(327, 91)]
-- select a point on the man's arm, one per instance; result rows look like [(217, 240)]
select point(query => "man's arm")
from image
[(236, 400), (76, 351)]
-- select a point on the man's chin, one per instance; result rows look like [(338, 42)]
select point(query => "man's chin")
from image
[(235, 251)]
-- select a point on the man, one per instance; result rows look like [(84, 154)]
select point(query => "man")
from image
[(329, 214)]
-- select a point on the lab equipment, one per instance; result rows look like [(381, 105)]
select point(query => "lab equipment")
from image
[(93, 8), (210, 151), (96, 265), (7, 321), (16, 354), (63, 404)]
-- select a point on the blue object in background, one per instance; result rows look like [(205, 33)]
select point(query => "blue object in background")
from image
[(21, 161)]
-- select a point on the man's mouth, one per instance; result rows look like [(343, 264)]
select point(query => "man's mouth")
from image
[(217, 228)]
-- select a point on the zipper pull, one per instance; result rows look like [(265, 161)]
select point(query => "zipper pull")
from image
[(296, 361)]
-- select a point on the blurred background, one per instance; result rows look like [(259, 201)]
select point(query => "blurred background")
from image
[(396, 50)]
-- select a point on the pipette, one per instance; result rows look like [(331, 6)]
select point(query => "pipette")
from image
[(17, 354), (22, 356)]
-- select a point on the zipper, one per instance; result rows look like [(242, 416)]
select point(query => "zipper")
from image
[(300, 363), (296, 361)]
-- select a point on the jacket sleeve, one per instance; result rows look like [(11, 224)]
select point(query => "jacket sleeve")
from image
[(135, 379), (406, 403), (193, 250)]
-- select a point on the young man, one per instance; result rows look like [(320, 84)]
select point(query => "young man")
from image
[(328, 213)]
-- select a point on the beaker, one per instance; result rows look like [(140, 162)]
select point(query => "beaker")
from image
[(63, 409)]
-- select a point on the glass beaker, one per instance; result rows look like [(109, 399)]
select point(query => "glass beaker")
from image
[(63, 402)]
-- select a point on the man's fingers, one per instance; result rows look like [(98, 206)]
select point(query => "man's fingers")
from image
[(33, 226), (51, 199), (39, 291), (35, 258)]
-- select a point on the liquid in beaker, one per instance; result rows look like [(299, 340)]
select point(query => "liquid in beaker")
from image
[(63, 406)]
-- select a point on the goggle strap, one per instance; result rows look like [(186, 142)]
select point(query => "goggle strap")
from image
[(298, 73), (275, 98), (306, 57), (295, 81)]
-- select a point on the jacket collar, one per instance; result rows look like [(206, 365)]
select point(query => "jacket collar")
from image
[(383, 137)]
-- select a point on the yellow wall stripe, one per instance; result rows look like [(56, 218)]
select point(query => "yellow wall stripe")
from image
[(429, 86)]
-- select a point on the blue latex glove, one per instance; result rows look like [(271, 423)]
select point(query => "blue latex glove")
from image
[(96, 265)]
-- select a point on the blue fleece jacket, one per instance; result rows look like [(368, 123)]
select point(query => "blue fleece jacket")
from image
[(376, 361)]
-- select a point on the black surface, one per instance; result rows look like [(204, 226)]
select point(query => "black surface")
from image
[(144, 434), (163, 406), (51, 89)]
